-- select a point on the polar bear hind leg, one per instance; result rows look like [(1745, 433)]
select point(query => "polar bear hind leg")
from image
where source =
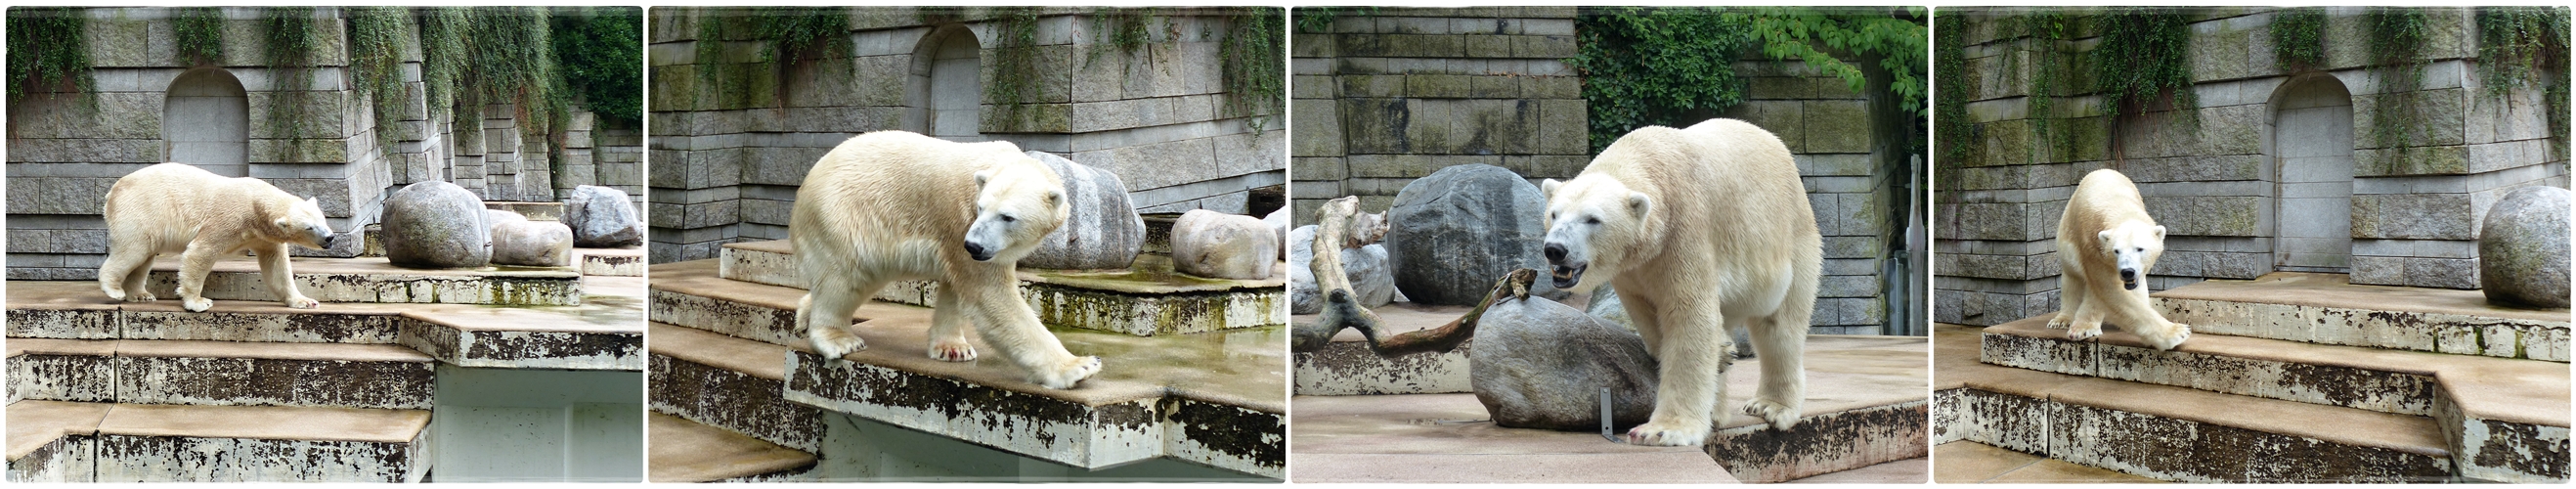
[(1780, 342), (825, 312), (124, 274)]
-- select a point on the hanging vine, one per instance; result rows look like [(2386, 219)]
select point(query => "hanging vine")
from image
[(2526, 47), (289, 48), (1952, 89), (2298, 38), (2049, 38), (49, 52), (2397, 39), (1015, 53), (791, 35), (2144, 58), (198, 33), (1255, 50), (375, 65), (598, 52)]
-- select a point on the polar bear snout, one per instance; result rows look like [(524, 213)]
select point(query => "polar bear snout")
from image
[(1555, 253), (2129, 278), (978, 252)]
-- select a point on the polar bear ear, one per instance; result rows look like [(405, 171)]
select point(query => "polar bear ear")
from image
[(1055, 198), (2160, 233), (981, 177), (314, 201), (1638, 203), (1547, 188), (2103, 237)]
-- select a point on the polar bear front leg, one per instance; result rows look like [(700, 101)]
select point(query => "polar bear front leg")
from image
[(947, 336), (1008, 325), (194, 265), (2087, 323), (2071, 293), (824, 314), (2136, 313), (1692, 379), (274, 269)]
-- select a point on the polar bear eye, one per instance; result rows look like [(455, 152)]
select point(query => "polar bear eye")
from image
[(1592, 220), (1007, 218)]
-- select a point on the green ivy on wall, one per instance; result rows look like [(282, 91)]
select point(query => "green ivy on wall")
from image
[(1647, 66), (2396, 43), (49, 51), (375, 64), (198, 33), (2298, 38), (1956, 133), (1015, 64), (599, 52), (788, 36), (2526, 47), (1255, 53), (292, 37), (1816, 36), (2144, 57)]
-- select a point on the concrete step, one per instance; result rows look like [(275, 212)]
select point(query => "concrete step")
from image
[(374, 280), (2174, 433), (605, 333), (730, 383), (2325, 308), (1865, 405), (614, 262), (1346, 367), (2508, 410), (164, 443), (1146, 299), (221, 373), (1968, 462), (685, 451)]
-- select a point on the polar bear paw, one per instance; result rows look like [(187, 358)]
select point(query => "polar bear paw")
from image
[(1657, 433), (1780, 416), (200, 304), (952, 350), (2177, 333), (121, 296), (302, 302), (832, 343), (1065, 375), (2081, 332), (2061, 321)]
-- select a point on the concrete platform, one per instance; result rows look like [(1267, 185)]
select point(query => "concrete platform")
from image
[(1346, 367), (1865, 406), (612, 262), (54, 441), (604, 333), (226, 373), (730, 383), (374, 280), (2325, 308), (159, 443), (2175, 433), (685, 451), (1968, 462), (1148, 297)]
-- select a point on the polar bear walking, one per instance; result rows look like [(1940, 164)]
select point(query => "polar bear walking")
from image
[(892, 205), (2106, 243), (175, 208), (1700, 230)]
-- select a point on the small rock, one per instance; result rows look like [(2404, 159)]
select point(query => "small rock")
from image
[(1365, 266), (435, 224), (1540, 364), (602, 217), (1453, 232), (2522, 250), (532, 243), (1103, 229), (1219, 245)]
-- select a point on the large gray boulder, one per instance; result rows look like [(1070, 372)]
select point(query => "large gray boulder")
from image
[(435, 224), (602, 217), (1102, 231), (1278, 221), (532, 243), (1451, 233), (1219, 245), (2522, 250), (1605, 304), (1540, 364), (1364, 266)]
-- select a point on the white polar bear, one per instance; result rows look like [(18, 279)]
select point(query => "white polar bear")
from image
[(893, 205), (175, 208), (2106, 242), (1699, 230)]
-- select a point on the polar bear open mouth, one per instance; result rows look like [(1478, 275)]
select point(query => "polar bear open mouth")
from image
[(1565, 277), (2129, 283)]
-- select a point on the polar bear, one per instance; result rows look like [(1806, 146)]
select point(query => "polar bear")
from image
[(175, 208), (1699, 230), (2106, 242), (892, 205)]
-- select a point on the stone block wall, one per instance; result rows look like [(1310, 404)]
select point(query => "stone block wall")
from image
[(733, 135), (63, 158), (1850, 152), (2239, 189)]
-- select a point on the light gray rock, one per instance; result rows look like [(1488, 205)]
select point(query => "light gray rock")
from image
[(1540, 364), (532, 243), (435, 224), (2522, 251), (1102, 231), (1605, 304), (602, 217), (1219, 245), (1278, 221), (1364, 266), (495, 217), (1453, 232)]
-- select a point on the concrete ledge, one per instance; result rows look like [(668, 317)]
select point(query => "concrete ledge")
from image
[(150, 443), (222, 373), (730, 383), (1149, 298), (685, 451), (557, 338), (2326, 309), (1824, 443), (1448, 438), (605, 334), (62, 370), (613, 262), (534, 211), (373, 280), (2362, 378), (53, 441), (1095, 431)]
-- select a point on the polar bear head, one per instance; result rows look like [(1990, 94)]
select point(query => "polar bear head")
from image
[(1014, 211), (1591, 222), (302, 225), (2134, 246)]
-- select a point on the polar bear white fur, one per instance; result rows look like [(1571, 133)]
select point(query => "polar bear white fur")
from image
[(1700, 230), (175, 208), (2106, 243), (892, 205)]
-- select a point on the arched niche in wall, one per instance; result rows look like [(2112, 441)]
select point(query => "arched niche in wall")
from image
[(2310, 152), (205, 121), (946, 87)]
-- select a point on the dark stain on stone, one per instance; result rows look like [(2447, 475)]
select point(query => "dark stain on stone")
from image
[(2520, 448), (1253, 436), (62, 323), (736, 401), (1820, 444), (525, 345), (76, 378)]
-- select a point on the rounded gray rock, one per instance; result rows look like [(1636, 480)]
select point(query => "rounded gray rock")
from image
[(2522, 249), (531, 243), (1364, 266), (1540, 364), (1452, 233), (602, 217), (1219, 245), (1101, 231), (435, 224), (1278, 221)]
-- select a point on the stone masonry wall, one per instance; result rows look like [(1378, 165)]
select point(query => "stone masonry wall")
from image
[(2219, 187), (734, 136)]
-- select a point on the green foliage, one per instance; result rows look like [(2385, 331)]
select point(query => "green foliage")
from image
[(599, 51), (788, 36), (2144, 57), (1646, 66), (1817, 35), (1015, 67), (442, 48), (199, 34), (2298, 37), (289, 46), (49, 50), (1319, 20), (1124, 30), (1956, 132), (1255, 53), (376, 37), (2397, 38), (2526, 47), (2050, 34)]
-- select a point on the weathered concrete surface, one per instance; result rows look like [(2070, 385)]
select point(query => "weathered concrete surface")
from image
[(2387, 381), (54, 441), (1865, 405), (685, 451), (62, 370), (595, 336), (1146, 299), (344, 280), (604, 333), (157, 443), (1346, 367), (2327, 309), (1968, 462), (1915, 470), (1446, 438), (615, 262), (227, 373), (730, 383)]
